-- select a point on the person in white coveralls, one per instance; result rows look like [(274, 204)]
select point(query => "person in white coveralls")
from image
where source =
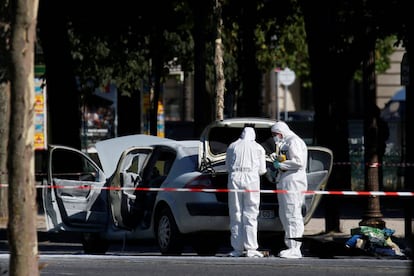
[(245, 161), (290, 159)]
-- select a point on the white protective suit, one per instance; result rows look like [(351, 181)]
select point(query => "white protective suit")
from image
[(292, 177), (245, 161)]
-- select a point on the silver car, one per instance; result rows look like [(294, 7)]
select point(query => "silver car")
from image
[(147, 187)]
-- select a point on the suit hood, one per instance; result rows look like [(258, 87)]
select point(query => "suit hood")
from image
[(248, 134), (282, 128)]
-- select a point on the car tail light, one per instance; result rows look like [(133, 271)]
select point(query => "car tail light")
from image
[(200, 182)]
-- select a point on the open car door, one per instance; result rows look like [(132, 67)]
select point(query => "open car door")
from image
[(320, 161), (138, 167), (127, 203), (74, 198)]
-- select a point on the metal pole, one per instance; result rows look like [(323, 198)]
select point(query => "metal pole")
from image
[(277, 97), (285, 103), (372, 216)]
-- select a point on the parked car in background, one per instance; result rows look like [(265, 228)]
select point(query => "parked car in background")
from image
[(149, 187), (302, 116)]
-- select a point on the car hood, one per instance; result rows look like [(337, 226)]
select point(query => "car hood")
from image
[(109, 151), (217, 136)]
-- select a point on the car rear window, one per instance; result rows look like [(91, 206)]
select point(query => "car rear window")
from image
[(220, 138)]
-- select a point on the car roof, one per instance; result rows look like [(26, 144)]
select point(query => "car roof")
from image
[(110, 150)]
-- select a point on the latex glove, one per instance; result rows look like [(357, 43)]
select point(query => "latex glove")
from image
[(276, 164), (273, 156), (271, 174)]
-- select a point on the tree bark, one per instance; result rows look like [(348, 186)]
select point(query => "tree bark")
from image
[(4, 138), (202, 100), (129, 116), (409, 135), (156, 71), (63, 97), (220, 80), (22, 192), (372, 216), (4, 104), (250, 102), (330, 106)]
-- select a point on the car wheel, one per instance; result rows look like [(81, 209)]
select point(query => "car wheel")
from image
[(93, 243), (168, 236)]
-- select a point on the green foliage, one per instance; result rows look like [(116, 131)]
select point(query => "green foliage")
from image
[(383, 50), (280, 40), (100, 59), (123, 56), (293, 51)]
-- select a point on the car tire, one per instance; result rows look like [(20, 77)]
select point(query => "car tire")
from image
[(93, 243), (168, 236)]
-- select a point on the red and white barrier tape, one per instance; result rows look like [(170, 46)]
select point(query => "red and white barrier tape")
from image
[(384, 164), (345, 193), (374, 165), (337, 163)]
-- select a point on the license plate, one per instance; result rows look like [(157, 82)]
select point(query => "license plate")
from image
[(266, 214)]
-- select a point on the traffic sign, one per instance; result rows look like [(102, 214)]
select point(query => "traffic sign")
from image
[(286, 76)]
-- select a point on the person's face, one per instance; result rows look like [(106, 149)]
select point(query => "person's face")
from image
[(278, 135)]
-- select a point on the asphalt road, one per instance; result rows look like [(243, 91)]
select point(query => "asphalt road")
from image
[(109, 265)]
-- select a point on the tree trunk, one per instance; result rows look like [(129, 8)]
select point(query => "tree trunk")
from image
[(4, 105), (4, 138), (220, 81), (250, 102), (22, 191), (331, 125), (409, 135), (63, 100), (372, 216), (129, 116), (156, 71), (202, 100)]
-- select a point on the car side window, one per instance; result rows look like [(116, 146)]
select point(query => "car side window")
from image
[(71, 165), (160, 167), (131, 168)]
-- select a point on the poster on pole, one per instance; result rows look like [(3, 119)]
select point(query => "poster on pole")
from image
[(40, 138)]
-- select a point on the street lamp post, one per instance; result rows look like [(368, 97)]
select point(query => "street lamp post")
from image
[(286, 77), (372, 216)]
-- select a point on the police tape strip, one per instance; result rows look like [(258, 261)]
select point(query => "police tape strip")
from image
[(337, 163), (346, 193), (384, 164)]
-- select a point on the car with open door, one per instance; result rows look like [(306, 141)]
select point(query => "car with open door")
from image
[(147, 187)]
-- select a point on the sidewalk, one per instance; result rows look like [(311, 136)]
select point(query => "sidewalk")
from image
[(317, 226), (316, 242)]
